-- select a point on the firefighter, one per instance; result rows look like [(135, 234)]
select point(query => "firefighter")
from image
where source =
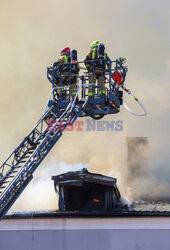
[(97, 68), (66, 73)]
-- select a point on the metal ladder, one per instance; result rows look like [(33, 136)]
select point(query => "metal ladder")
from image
[(17, 171)]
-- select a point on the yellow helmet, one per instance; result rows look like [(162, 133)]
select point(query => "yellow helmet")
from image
[(94, 44)]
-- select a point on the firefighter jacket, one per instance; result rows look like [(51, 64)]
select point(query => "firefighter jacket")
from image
[(92, 55)]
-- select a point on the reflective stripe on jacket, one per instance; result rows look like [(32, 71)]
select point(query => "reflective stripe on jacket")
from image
[(94, 54)]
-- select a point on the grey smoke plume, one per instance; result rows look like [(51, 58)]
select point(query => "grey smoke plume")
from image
[(32, 34), (40, 194), (148, 175)]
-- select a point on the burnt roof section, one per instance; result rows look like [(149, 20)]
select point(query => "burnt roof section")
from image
[(144, 209), (83, 175)]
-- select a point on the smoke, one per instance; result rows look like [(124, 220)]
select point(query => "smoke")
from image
[(40, 194), (148, 172), (32, 34)]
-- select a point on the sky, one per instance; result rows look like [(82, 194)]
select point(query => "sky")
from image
[(32, 35)]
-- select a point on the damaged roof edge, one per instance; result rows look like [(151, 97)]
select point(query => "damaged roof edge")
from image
[(78, 214)]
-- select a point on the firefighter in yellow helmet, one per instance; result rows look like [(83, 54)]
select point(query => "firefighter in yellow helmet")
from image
[(67, 74), (97, 67)]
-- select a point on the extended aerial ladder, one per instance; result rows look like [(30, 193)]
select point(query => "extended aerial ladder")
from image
[(61, 111), (17, 171)]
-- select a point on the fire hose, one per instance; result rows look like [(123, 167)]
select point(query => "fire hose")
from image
[(137, 100), (128, 91)]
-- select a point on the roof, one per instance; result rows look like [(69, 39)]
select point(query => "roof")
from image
[(85, 176), (93, 214)]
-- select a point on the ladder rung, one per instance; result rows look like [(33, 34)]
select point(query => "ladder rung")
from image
[(6, 181), (25, 156), (17, 167), (30, 152)]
